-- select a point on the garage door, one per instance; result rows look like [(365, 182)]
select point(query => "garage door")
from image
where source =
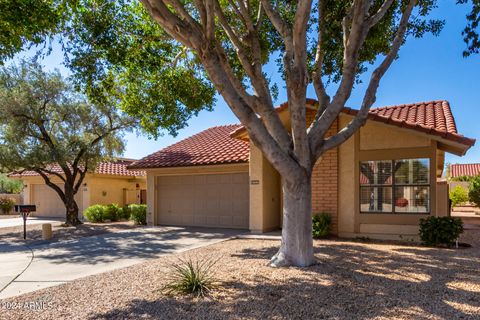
[(48, 201), (213, 200)]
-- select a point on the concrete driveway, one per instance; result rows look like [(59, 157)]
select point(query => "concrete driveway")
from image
[(18, 221), (25, 269)]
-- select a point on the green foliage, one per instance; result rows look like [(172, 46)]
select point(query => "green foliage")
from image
[(95, 213), (112, 212), (191, 277), (470, 33), (8, 185), (117, 52), (321, 224), (24, 23), (126, 212), (436, 231), (6, 204), (458, 195), (462, 178), (474, 190), (138, 213)]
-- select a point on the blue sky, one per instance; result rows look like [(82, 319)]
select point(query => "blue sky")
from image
[(431, 68)]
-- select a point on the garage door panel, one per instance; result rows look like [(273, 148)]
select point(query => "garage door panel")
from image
[(215, 200)]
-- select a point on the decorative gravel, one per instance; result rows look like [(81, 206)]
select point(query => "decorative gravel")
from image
[(352, 280)]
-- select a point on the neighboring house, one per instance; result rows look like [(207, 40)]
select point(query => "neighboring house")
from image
[(378, 184), (459, 171), (111, 182), (457, 174)]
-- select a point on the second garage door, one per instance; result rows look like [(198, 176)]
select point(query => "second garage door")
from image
[(48, 201), (213, 200)]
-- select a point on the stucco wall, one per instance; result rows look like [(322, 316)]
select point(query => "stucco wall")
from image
[(380, 142), (265, 193), (122, 191)]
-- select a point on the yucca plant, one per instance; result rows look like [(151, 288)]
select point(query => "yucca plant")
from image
[(191, 277)]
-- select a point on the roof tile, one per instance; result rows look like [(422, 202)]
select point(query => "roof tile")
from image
[(211, 146), (468, 169)]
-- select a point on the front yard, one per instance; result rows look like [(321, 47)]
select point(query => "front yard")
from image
[(352, 280)]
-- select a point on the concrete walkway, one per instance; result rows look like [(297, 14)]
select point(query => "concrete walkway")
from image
[(25, 269), (18, 221)]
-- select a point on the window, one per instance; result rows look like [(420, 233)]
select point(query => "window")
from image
[(398, 186)]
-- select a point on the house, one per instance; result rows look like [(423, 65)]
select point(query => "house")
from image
[(377, 184), (111, 182), (459, 174), (465, 170)]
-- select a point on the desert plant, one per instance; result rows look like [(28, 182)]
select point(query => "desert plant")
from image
[(321, 224), (474, 190), (436, 231), (458, 195), (191, 277), (138, 213), (6, 205), (112, 212), (95, 213)]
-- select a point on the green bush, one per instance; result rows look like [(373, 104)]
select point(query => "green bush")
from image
[(458, 195), (138, 213), (191, 277), (436, 231), (474, 190), (112, 212), (126, 213), (95, 213), (321, 224)]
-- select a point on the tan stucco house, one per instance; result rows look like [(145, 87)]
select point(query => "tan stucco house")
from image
[(378, 184), (111, 182)]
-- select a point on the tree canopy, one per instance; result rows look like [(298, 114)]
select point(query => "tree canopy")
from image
[(44, 124)]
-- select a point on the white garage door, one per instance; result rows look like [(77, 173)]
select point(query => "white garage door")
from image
[(48, 201), (213, 200)]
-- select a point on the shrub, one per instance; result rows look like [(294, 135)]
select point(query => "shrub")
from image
[(321, 225), (474, 190), (458, 195), (191, 277), (95, 213), (126, 212), (112, 212), (6, 205), (138, 213), (436, 231)]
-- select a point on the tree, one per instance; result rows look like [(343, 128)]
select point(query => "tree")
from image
[(318, 41), (47, 128), (470, 33), (115, 50), (8, 185)]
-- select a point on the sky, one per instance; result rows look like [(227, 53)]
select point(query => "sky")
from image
[(430, 68)]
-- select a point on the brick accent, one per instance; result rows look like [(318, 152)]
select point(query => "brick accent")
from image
[(325, 181)]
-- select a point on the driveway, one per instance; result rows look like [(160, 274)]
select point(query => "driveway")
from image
[(18, 221), (26, 269)]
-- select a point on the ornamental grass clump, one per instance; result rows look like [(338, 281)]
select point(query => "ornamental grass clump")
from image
[(189, 277)]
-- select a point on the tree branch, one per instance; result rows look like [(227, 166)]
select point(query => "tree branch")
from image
[(370, 94)]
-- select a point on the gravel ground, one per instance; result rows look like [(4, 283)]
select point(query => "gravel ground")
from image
[(87, 229), (352, 280)]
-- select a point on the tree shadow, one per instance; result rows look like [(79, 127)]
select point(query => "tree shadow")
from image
[(350, 281)]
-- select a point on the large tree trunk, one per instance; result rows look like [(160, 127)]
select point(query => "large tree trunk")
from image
[(296, 248), (71, 209)]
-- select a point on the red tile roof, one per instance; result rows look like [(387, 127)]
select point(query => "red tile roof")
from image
[(461, 170), (433, 117), (116, 168), (218, 145), (211, 146)]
